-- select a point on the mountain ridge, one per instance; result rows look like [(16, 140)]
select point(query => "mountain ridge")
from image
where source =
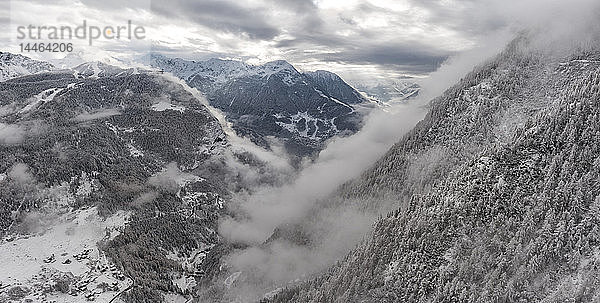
[(273, 100), (15, 65)]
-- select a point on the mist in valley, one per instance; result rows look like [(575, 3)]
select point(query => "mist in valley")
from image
[(292, 231)]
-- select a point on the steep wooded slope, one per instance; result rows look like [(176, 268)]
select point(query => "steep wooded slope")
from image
[(496, 194)]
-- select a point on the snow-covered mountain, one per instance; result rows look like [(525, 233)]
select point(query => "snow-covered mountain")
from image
[(217, 71), (70, 60), (273, 99), (73, 59), (14, 65)]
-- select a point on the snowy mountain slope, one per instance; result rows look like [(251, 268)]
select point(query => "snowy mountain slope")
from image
[(99, 69), (70, 257), (335, 87), (12, 66), (490, 206), (216, 70), (265, 100), (132, 152), (73, 59)]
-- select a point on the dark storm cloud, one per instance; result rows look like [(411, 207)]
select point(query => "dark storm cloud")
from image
[(220, 15)]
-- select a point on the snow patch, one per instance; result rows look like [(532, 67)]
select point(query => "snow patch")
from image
[(134, 152), (166, 104), (313, 127)]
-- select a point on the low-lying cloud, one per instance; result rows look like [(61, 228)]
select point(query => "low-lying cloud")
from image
[(11, 133), (302, 205), (97, 115)]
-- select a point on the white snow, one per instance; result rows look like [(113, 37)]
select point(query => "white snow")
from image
[(134, 152), (390, 271), (86, 185), (196, 257), (96, 69), (13, 66), (309, 120), (221, 71), (175, 298), (35, 260), (165, 104), (333, 99), (185, 282), (41, 98)]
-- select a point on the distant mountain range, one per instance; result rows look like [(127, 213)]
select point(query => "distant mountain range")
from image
[(273, 100), (389, 91), (302, 110)]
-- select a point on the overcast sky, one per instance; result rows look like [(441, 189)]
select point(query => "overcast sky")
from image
[(360, 39)]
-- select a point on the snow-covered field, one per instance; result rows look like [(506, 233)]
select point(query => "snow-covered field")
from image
[(62, 263)]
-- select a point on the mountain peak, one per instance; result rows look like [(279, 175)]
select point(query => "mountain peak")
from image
[(279, 65), (323, 74)]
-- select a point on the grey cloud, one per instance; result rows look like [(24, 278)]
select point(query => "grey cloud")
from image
[(97, 115), (15, 133), (220, 15), (116, 4), (306, 13), (20, 173), (416, 59), (409, 56), (300, 31), (347, 20), (11, 134), (474, 18), (300, 6)]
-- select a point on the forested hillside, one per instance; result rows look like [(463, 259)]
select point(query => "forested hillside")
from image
[(118, 175), (495, 192)]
